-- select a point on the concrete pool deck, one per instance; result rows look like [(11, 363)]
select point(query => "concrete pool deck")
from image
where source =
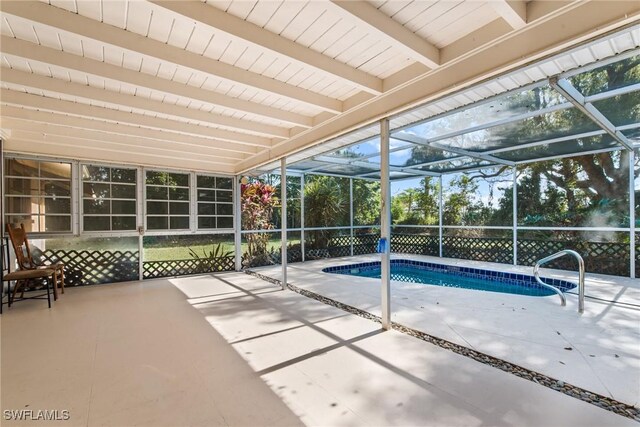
[(598, 350), (230, 349)]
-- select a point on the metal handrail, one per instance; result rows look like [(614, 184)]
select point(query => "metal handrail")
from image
[(536, 274)]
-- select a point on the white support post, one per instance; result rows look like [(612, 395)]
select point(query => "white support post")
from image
[(632, 214), (515, 215), (140, 181), (302, 215), (283, 221), (351, 214), (237, 221), (385, 225), (440, 219)]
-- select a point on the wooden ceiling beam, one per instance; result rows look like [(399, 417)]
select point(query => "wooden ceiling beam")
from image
[(46, 83), (252, 34), (64, 20)]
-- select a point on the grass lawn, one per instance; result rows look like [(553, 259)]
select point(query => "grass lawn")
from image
[(182, 252), (159, 251)]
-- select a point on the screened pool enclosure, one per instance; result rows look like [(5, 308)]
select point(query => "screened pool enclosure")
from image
[(507, 171), (509, 179)]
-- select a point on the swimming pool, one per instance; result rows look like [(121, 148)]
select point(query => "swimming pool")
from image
[(428, 273)]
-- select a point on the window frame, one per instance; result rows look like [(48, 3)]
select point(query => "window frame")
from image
[(215, 203), (77, 196), (189, 203), (72, 194), (81, 199)]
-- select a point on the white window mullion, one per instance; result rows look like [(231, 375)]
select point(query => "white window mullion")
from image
[(76, 199), (142, 194), (193, 204), (140, 199)]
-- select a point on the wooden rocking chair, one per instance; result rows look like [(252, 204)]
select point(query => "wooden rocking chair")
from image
[(20, 243)]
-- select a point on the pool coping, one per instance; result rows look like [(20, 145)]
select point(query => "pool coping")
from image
[(505, 277)]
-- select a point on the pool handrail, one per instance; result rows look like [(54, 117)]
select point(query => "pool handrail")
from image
[(536, 274)]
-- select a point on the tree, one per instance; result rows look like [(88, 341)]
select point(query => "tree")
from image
[(366, 202), (458, 205), (418, 205)]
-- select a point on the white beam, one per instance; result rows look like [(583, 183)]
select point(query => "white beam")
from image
[(408, 137), (72, 148), (357, 162), (411, 44), (567, 90), (86, 27), (42, 102), (514, 12), (124, 141), (36, 81), (46, 55), (250, 33), (177, 139)]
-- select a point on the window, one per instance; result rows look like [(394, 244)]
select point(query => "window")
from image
[(38, 195), (167, 200), (108, 198), (215, 202)]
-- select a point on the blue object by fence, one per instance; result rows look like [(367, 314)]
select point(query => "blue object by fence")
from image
[(382, 245)]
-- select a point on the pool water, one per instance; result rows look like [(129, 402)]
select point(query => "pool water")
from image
[(455, 277)]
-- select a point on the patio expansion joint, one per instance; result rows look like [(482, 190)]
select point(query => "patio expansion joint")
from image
[(576, 392)]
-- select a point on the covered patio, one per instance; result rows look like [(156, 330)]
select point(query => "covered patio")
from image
[(323, 212)]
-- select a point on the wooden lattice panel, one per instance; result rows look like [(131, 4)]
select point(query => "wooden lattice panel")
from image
[(599, 257), (364, 244), (97, 267), (415, 244), (340, 241), (181, 267), (478, 249), (294, 255), (94, 267)]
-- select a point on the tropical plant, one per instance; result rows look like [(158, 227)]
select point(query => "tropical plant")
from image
[(210, 260), (325, 206), (258, 202)]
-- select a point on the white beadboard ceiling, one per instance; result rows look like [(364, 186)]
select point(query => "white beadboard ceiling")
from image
[(218, 85)]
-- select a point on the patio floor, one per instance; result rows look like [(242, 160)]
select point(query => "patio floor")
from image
[(598, 350), (234, 350)]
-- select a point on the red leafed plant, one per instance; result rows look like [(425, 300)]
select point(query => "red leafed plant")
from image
[(258, 202)]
